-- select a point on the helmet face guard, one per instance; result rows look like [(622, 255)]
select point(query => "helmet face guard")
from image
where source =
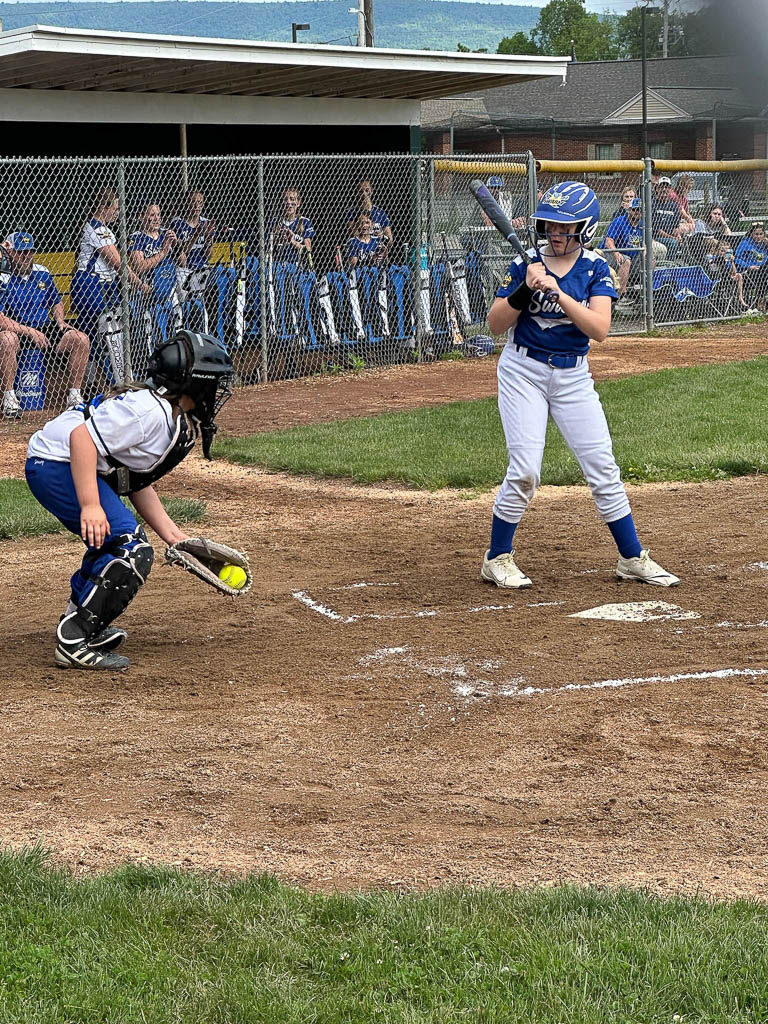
[(198, 366), (571, 203)]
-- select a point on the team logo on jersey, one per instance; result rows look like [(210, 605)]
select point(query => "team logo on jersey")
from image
[(507, 280), (41, 285), (555, 199)]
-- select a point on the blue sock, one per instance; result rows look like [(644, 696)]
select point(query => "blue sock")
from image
[(625, 535), (502, 535)]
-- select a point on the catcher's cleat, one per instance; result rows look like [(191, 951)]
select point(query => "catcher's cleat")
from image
[(644, 570), (85, 657), (503, 571), (109, 639), (11, 406)]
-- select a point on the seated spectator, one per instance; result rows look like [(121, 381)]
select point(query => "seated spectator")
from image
[(624, 232), (365, 247), (683, 186), (717, 224), (751, 258), (665, 217), (364, 204), (194, 233), (28, 300), (293, 232), (721, 267)]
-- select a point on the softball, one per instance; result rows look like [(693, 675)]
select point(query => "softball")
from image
[(233, 575)]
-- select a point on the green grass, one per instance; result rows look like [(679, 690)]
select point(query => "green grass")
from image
[(155, 945), (709, 327), (701, 423), (21, 515)]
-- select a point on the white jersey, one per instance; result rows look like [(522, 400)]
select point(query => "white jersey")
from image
[(136, 428), (96, 236)]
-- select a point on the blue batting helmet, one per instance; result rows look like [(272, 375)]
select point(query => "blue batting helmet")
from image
[(495, 181), (570, 202)]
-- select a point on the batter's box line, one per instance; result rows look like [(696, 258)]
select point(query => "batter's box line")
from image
[(323, 609)]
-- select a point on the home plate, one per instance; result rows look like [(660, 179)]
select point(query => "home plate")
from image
[(636, 611)]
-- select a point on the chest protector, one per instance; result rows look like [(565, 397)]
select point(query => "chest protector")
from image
[(123, 480)]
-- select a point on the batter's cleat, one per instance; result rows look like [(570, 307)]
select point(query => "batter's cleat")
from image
[(644, 570), (74, 398), (86, 657), (11, 407), (109, 639), (502, 571)]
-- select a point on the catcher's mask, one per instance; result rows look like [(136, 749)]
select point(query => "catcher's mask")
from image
[(572, 203), (195, 365)]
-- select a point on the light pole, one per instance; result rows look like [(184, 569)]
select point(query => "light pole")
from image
[(644, 85), (296, 27)]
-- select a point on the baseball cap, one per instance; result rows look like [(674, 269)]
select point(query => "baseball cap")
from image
[(665, 181), (495, 181), (635, 204), (21, 241)]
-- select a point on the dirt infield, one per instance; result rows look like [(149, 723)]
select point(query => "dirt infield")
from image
[(374, 714)]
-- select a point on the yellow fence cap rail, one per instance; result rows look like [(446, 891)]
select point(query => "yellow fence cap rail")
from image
[(588, 166), (710, 166), (478, 167)]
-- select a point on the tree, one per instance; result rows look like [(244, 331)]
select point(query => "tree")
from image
[(563, 22), (518, 43), (465, 49)]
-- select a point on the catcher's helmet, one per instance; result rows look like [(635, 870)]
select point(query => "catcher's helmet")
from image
[(481, 345), (196, 365), (571, 202)]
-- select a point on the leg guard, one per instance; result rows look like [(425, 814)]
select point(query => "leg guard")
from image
[(120, 568)]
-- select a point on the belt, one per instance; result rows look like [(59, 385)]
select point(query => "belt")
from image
[(558, 361)]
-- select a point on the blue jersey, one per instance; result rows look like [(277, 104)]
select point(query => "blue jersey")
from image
[(162, 276), (625, 235), (377, 215), (301, 229), (29, 300), (750, 254), (363, 251), (197, 252), (146, 244), (544, 325)]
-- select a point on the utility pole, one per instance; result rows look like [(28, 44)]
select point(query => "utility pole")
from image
[(361, 22), (643, 86), (296, 27), (369, 23), (665, 31)]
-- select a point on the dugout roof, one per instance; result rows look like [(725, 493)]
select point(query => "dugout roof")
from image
[(84, 60)]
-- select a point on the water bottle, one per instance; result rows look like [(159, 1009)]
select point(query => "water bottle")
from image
[(424, 261), (30, 379)]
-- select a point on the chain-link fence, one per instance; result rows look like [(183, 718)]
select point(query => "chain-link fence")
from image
[(303, 264)]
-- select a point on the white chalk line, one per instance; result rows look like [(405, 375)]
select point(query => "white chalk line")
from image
[(763, 624), (322, 609), (723, 673), (360, 586)]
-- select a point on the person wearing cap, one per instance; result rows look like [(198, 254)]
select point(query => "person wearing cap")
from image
[(665, 217), (624, 232), (31, 311), (382, 227)]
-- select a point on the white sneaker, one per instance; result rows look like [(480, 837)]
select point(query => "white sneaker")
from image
[(74, 398), (645, 570), (502, 571), (11, 407)]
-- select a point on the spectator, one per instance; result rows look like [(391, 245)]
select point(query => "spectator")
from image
[(194, 233), (751, 258), (717, 224), (734, 209), (722, 267), (364, 204), (94, 283), (624, 232), (150, 247), (365, 247), (665, 217), (27, 302), (294, 232), (149, 254), (680, 195), (626, 199)]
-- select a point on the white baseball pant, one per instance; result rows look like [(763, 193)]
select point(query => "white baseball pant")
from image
[(530, 392)]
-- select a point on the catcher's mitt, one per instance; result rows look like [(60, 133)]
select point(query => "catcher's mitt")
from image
[(206, 558)]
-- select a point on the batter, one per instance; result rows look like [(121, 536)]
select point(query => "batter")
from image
[(543, 371)]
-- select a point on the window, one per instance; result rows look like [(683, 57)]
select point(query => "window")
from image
[(660, 150), (604, 151)]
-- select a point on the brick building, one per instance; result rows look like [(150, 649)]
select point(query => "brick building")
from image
[(694, 104)]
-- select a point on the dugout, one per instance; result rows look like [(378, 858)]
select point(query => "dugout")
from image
[(75, 92)]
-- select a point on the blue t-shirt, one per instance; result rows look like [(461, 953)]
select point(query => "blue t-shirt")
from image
[(377, 215), (197, 253), (750, 254), (163, 276), (665, 216), (300, 228), (29, 300), (625, 235), (544, 325), (364, 251)]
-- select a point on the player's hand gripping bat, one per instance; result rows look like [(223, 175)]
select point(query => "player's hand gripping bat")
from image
[(503, 225)]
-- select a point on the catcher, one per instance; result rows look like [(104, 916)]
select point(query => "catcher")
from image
[(82, 461)]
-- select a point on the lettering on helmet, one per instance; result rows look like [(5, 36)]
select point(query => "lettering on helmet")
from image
[(555, 199)]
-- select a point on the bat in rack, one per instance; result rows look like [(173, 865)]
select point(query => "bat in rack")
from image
[(503, 225)]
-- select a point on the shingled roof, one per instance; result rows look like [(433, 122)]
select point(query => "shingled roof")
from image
[(594, 90)]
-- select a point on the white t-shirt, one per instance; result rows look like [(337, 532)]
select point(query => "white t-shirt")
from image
[(136, 428), (96, 236)]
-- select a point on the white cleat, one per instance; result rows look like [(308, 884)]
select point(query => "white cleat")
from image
[(11, 407), (74, 398), (503, 571), (645, 570)]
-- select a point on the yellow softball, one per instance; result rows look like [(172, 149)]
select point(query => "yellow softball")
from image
[(233, 575)]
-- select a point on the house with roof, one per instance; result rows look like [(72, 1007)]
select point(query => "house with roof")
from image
[(698, 108)]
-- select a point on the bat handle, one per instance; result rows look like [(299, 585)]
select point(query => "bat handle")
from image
[(552, 296)]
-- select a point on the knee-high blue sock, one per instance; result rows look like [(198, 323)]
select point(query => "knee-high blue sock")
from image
[(625, 535), (502, 535)]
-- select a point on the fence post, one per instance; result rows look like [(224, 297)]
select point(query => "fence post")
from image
[(263, 311), (416, 255), (648, 243), (431, 205), (533, 187), (124, 283)]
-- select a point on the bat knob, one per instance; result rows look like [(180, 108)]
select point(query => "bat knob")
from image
[(552, 296)]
